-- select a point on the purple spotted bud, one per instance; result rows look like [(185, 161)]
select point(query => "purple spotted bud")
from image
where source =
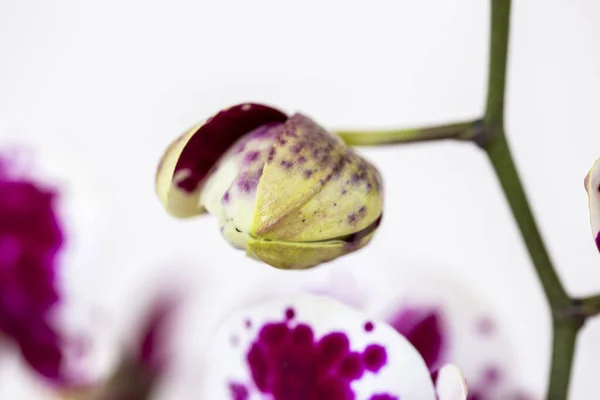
[(283, 188)]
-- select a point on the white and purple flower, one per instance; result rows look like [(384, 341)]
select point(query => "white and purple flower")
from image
[(311, 347), (446, 322)]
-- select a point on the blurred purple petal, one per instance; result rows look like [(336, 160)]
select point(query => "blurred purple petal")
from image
[(30, 240), (424, 328), (143, 364)]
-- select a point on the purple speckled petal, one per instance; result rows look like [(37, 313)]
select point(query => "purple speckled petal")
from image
[(189, 159), (314, 187), (466, 334), (217, 135), (311, 347)]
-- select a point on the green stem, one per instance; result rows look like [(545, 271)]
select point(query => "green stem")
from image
[(506, 171), (563, 350), (458, 131), (500, 29), (588, 306), (565, 327)]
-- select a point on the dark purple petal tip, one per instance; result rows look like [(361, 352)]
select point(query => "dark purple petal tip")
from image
[(425, 329), (217, 135)]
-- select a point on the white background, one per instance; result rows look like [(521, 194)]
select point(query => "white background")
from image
[(101, 87)]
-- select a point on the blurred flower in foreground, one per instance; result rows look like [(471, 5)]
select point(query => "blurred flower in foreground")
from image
[(447, 323), (592, 186), (30, 241), (309, 347), (140, 369), (283, 188)]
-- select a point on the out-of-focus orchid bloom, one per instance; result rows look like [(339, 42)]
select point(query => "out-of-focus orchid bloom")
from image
[(142, 364), (284, 189), (310, 347), (31, 238), (592, 186), (445, 322)]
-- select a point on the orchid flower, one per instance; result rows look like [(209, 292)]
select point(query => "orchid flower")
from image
[(284, 189), (446, 322), (311, 347), (142, 364), (31, 239)]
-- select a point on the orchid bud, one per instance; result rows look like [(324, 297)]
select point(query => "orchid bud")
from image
[(283, 188), (592, 186)]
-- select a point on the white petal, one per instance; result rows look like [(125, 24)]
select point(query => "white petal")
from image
[(403, 375), (450, 384), (592, 186), (230, 191), (475, 339)]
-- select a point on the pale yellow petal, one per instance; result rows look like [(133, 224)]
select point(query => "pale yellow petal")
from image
[(294, 255), (176, 201), (315, 188)]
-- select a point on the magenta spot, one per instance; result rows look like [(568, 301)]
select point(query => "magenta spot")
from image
[(273, 334), (383, 397), (308, 173), (303, 335), (238, 391), (492, 375), (375, 357), (475, 394), (248, 324), (485, 326), (598, 241), (272, 153), (424, 329), (332, 348), (289, 363), (251, 156), (369, 326), (286, 164), (290, 313), (225, 198), (352, 367)]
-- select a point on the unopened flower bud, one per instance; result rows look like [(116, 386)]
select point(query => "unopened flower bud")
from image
[(283, 188)]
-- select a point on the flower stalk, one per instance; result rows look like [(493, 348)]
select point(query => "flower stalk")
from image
[(463, 131), (568, 314)]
